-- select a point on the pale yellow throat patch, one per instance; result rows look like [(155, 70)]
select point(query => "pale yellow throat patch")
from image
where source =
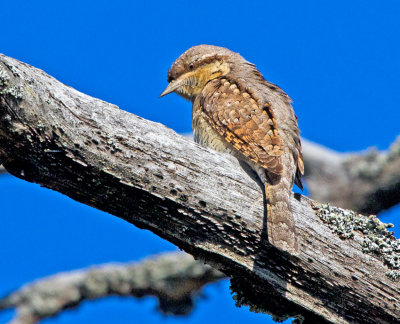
[(197, 79)]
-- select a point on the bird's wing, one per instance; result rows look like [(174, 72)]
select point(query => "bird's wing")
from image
[(300, 162), (300, 168), (250, 126)]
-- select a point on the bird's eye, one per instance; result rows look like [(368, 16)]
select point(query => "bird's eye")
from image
[(191, 66)]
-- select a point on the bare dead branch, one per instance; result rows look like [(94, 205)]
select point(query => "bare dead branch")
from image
[(200, 200), (368, 182), (173, 278)]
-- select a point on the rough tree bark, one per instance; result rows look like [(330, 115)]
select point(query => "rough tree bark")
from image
[(187, 274), (200, 200), (367, 181)]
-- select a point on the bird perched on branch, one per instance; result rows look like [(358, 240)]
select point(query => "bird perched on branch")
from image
[(236, 110)]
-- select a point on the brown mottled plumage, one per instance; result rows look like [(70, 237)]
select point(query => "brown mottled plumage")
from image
[(236, 110)]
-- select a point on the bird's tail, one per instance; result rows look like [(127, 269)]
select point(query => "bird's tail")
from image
[(280, 223)]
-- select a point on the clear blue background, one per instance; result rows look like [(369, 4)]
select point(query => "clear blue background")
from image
[(339, 61)]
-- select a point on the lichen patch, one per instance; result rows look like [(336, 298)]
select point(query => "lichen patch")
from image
[(378, 240), (6, 89)]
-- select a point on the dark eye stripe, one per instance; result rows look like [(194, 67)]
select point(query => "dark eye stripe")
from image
[(182, 65)]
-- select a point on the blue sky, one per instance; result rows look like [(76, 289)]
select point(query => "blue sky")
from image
[(339, 61)]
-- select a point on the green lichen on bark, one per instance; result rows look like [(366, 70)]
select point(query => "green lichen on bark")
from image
[(367, 166), (3, 78), (372, 163), (377, 239), (5, 88), (394, 150)]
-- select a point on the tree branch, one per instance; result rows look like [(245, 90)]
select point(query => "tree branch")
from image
[(200, 200), (174, 278), (368, 182)]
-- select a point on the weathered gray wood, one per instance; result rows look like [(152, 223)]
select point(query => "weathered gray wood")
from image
[(198, 199), (367, 181)]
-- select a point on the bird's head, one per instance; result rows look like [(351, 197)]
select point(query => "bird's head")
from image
[(197, 66)]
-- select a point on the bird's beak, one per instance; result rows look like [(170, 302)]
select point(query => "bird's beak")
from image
[(173, 85)]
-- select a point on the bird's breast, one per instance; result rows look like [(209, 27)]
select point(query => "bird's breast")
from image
[(206, 135)]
